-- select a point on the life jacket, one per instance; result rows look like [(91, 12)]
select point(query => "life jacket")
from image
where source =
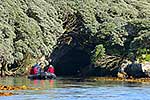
[(31, 71), (51, 69), (35, 69)]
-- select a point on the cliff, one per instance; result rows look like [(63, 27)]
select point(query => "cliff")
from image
[(74, 34)]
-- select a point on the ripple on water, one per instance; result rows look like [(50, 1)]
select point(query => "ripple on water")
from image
[(72, 90)]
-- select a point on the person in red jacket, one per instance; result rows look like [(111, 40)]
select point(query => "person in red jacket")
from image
[(36, 69), (51, 69)]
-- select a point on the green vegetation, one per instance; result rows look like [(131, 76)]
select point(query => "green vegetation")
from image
[(147, 58), (99, 52), (117, 28)]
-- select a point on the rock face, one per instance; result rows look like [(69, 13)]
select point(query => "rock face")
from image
[(71, 61), (70, 55), (135, 70)]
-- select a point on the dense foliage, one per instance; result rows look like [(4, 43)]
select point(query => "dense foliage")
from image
[(118, 28)]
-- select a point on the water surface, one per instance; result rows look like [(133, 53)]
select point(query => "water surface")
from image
[(71, 89)]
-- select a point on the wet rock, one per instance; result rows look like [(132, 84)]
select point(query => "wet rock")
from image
[(134, 70), (4, 87), (122, 75), (6, 94)]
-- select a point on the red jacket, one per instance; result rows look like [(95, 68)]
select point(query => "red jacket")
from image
[(33, 71), (51, 69)]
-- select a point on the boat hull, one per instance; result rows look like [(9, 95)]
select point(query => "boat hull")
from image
[(43, 76)]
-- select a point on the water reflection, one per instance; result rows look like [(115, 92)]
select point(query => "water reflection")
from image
[(64, 83), (20, 81), (44, 83), (64, 89), (51, 83), (14, 81)]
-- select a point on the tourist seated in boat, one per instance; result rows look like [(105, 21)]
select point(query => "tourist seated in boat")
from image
[(39, 66), (36, 69), (49, 69), (39, 71)]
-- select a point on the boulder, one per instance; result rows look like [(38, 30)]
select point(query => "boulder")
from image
[(134, 70)]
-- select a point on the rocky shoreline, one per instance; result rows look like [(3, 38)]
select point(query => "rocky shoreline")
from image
[(147, 80), (5, 87), (135, 70)]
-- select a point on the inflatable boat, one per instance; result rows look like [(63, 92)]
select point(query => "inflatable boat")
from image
[(42, 76)]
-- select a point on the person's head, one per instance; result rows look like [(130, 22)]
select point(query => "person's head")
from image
[(50, 66)]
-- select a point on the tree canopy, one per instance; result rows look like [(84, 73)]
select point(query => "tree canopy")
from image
[(115, 27)]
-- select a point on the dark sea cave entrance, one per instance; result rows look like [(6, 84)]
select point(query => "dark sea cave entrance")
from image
[(69, 61)]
